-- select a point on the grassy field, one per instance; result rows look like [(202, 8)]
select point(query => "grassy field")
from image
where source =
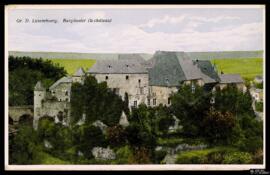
[(48, 159), (71, 65), (248, 68)]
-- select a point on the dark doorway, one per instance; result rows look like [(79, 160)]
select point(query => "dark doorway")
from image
[(26, 119)]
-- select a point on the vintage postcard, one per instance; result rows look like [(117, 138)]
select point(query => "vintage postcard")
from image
[(142, 87)]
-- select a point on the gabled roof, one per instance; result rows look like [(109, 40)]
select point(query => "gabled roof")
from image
[(166, 70), (230, 78), (189, 68), (117, 67), (61, 80), (79, 72), (171, 68), (39, 87), (208, 71)]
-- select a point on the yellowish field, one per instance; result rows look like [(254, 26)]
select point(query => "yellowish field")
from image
[(71, 65), (248, 68)]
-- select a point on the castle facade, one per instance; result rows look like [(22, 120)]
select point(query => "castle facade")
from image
[(144, 81)]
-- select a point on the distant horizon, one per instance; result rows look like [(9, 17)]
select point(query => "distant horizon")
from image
[(138, 52)]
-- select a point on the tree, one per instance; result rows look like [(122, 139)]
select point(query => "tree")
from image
[(190, 107), (218, 126), (234, 100), (24, 147), (96, 101), (116, 136), (86, 137), (24, 72)]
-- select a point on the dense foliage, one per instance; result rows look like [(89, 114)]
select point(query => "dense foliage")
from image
[(100, 103), (25, 72), (223, 118)]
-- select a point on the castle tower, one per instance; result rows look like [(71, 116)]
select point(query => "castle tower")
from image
[(78, 76), (39, 96)]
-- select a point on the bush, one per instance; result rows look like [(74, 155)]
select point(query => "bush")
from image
[(116, 136), (259, 106), (258, 157), (170, 142), (237, 158), (193, 157), (124, 155), (207, 156), (159, 156), (218, 126)]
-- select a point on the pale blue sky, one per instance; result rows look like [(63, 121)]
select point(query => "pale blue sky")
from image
[(138, 30)]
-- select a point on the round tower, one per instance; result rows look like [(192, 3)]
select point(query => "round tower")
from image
[(39, 96)]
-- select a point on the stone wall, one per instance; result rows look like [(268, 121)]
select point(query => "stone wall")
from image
[(199, 82), (62, 91), (52, 109), (160, 94), (240, 86), (136, 85)]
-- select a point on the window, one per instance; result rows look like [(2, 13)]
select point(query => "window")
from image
[(139, 80), (106, 78), (148, 101), (135, 103), (192, 87), (116, 90), (127, 77), (141, 90), (154, 101), (66, 93), (66, 99), (169, 101)]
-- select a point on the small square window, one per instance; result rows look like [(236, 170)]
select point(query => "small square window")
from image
[(169, 101), (148, 101), (139, 80), (106, 78), (127, 77)]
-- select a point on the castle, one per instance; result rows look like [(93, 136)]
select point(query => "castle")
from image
[(144, 81)]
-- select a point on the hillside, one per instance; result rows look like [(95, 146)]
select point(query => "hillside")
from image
[(96, 56)]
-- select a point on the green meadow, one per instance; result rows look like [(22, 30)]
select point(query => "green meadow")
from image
[(71, 65), (248, 68)]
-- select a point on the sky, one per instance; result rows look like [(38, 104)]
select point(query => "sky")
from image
[(137, 30)]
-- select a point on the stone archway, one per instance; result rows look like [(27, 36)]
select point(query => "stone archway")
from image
[(26, 119)]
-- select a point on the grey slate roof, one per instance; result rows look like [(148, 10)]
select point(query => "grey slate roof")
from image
[(208, 72), (117, 67), (171, 68), (79, 72), (166, 70), (67, 79), (190, 70), (39, 87), (230, 78)]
